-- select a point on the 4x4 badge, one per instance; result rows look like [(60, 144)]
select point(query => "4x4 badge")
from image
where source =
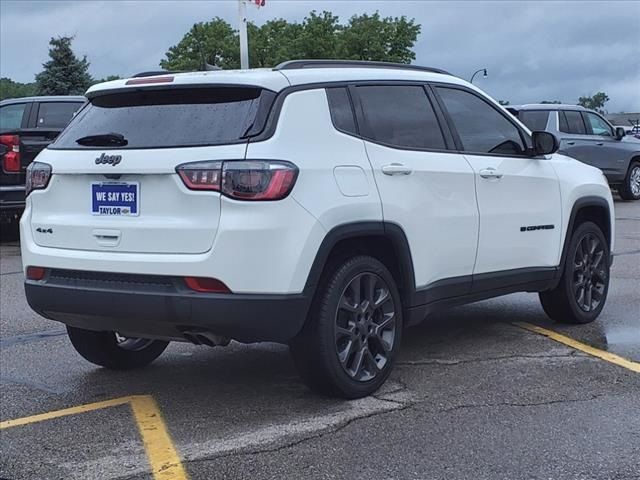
[(110, 159)]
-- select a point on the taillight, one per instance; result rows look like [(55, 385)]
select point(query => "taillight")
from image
[(206, 285), (38, 175), (243, 179), (11, 159)]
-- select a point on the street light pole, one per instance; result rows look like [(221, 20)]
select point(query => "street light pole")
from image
[(477, 72), (242, 28)]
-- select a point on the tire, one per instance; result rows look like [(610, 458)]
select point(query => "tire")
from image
[(630, 189), (352, 335), (109, 350), (582, 292)]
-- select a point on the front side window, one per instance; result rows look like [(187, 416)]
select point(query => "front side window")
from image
[(11, 116), (481, 128), (598, 125), (56, 114), (401, 116), (572, 122), (534, 119)]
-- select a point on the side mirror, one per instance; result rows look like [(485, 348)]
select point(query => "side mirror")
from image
[(620, 133), (544, 143)]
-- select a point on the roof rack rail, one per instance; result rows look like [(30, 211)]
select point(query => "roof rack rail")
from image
[(152, 73), (299, 64)]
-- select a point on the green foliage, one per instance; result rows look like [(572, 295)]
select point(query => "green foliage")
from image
[(369, 37), (11, 89), (213, 43), (108, 78), (320, 35), (64, 73), (595, 102), (551, 102)]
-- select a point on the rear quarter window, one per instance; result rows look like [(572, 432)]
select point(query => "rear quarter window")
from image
[(534, 119), (56, 114), (176, 117)]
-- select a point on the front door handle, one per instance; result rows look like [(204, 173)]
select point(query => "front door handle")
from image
[(571, 143), (490, 172), (396, 169), (600, 143)]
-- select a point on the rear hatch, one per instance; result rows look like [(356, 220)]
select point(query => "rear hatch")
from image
[(114, 184)]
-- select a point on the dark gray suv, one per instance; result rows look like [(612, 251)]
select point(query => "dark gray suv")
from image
[(586, 136)]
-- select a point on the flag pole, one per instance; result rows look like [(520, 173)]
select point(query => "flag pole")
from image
[(242, 27)]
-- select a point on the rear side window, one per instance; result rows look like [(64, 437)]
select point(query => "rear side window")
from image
[(571, 122), (11, 116), (481, 128), (56, 114), (176, 117), (534, 119), (401, 116), (341, 111)]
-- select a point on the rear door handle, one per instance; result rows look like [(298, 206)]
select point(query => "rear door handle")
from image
[(600, 143), (571, 143), (490, 172), (396, 169)]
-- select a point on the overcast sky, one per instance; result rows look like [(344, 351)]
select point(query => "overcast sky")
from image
[(533, 51)]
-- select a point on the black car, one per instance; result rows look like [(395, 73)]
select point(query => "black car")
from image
[(27, 126)]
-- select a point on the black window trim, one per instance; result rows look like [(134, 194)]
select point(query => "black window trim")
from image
[(362, 127), (524, 136)]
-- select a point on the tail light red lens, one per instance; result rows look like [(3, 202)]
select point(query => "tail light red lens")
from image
[(35, 273), (11, 157), (38, 175), (242, 180), (206, 285)]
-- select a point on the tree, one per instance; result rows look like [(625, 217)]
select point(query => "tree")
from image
[(64, 73), (320, 35), (369, 37), (11, 89), (596, 102), (213, 43)]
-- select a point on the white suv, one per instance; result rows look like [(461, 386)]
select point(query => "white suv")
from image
[(323, 204)]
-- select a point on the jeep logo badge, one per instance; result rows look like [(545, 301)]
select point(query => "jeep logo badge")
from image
[(110, 159)]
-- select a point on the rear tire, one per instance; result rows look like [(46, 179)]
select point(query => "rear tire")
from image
[(582, 292), (350, 341), (630, 188), (109, 350)]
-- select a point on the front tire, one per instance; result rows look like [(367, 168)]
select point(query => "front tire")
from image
[(581, 294), (352, 335), (630, 189), (110, 350)]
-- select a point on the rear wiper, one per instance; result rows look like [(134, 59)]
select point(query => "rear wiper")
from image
[(103, 140)]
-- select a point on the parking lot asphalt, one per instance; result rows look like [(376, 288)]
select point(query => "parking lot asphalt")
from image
[(475, 395)]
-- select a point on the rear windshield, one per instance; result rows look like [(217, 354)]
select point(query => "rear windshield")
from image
[(176, 117), (534, 119)]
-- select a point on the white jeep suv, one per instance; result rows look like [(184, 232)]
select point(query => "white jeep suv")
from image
[(322, 204)]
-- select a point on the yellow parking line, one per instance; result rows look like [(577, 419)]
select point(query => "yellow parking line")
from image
[(162, 455), (601, 354)]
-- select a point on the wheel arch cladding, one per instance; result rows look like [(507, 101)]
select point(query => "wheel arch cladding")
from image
[(382, 240), (592, 209)]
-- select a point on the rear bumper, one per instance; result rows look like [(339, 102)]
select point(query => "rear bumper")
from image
[(12, 198), (163, 307)]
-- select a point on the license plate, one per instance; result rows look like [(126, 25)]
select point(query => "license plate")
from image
[(115, 199)]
